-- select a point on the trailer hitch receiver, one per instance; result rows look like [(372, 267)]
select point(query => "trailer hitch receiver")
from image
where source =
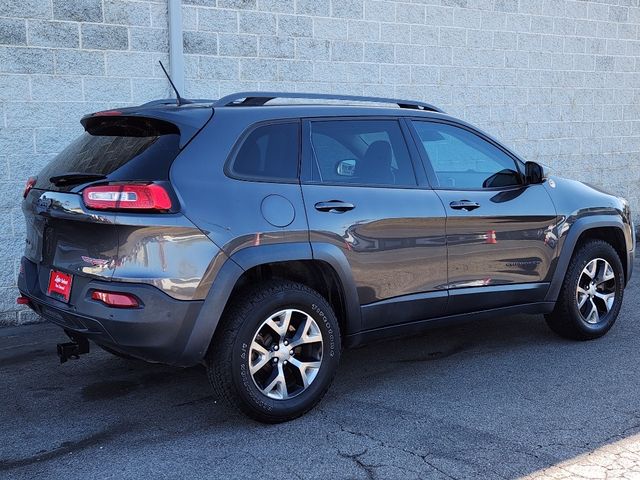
[(73, 350)]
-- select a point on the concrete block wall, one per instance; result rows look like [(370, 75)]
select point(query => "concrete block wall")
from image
[(60, 59), (557, 80)]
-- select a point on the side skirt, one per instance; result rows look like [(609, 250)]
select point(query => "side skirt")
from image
[(412, 328)]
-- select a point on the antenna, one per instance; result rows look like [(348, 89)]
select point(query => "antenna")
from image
[(179, 99)]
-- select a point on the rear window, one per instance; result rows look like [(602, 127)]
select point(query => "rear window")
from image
[(269, 152), (122, 149)]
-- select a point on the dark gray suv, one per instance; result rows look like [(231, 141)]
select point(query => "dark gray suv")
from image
[(260, 239)]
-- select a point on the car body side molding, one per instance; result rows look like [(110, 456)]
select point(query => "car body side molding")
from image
[(414, 328)]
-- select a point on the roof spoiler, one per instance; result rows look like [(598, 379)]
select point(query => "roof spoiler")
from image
[(189, 121)]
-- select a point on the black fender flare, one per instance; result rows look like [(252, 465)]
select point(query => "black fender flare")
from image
[(216, 300), (568, 247)]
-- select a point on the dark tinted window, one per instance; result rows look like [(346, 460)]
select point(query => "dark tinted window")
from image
[(121, 148), (369, 152), (462, 159), (269, 152)]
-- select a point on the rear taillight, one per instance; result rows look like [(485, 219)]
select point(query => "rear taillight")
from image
[(116, 299), (28, 186), (130, 196)]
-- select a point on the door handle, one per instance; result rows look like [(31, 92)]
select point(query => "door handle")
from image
[(465, 205), (334, 206)]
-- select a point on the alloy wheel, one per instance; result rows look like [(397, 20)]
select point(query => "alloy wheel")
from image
[(596, 291), (285, 354)]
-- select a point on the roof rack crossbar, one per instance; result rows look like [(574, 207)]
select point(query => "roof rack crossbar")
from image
[(246, 99)]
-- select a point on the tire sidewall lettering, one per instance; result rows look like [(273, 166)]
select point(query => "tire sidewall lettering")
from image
[(327, 325), (247, 381)]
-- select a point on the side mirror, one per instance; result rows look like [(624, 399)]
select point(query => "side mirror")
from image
[(535, 173)]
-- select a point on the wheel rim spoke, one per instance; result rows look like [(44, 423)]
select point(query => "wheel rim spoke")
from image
[(277, 388), (592, 316), (308, 333), (583, 296), (308, 370), (607, 298), (285, 355), (279, 322), (591, 269), (263, 357), (607, 274)]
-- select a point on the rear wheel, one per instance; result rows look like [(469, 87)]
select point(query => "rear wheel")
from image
[(276, 352), (591, 295)]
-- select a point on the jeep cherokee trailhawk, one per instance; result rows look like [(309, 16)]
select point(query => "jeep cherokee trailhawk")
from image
[(261, 239)]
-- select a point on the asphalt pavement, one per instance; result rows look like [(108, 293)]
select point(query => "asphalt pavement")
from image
[(502, 398)]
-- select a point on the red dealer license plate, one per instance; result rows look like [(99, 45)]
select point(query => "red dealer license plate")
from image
[(60, 285)]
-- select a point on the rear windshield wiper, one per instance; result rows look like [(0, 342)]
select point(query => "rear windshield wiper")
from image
[(73, 178)]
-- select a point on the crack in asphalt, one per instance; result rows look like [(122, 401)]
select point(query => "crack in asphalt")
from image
[(370, 469), (457, 458)]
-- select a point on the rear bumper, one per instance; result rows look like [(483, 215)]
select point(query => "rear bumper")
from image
[(158, 331)]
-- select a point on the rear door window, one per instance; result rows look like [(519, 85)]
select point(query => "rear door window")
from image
[(270, 152), (360, 152)]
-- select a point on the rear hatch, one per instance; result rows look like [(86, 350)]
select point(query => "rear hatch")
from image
[(130, 146)]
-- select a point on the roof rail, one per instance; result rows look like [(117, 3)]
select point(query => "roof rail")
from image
[(247, 99)]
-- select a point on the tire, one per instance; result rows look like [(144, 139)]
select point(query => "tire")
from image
[(246, 338), (580, 323)]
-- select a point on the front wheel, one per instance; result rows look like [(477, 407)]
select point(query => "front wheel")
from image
[(276, 352), (591, 294)]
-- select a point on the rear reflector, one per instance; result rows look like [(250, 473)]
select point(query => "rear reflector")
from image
[(116, 300), (127, 196), (28, 186), (23, 301)]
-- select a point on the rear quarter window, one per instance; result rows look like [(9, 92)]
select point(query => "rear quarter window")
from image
[(269, 153)]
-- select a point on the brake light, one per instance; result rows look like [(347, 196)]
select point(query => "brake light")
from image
[(28, 186), (108, 113), (127, 197), (116, 300)]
